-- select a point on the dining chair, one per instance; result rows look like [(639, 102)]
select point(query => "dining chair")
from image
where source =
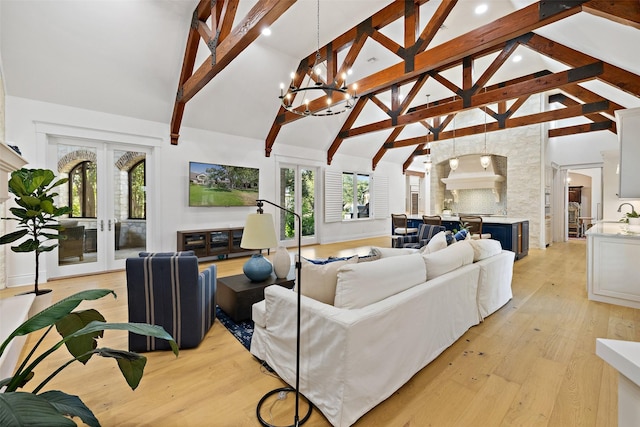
[(474, 225), (432, 219), (400, 225)]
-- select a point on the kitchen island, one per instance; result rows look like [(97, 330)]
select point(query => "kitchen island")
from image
[(513, 233), (613, 268)]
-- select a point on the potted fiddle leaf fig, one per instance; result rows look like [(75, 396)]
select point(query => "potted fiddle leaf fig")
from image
[(79, 332), (36, 214)]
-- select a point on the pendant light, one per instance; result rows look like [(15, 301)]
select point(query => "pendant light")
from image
[(427, 163), (454, 162), (485, 159)]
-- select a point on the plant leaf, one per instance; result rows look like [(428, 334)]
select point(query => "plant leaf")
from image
[(82, 345), (131, 364), (28, 409), (12, 237), (55, 312), (68, 404), (137, 328)]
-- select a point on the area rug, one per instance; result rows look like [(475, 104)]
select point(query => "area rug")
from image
[(242, 330)]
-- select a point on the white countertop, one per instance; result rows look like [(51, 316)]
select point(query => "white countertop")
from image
[(489, 219), (614, 228), (622, 355)]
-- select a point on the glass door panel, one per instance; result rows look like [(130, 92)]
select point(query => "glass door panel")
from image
[(297, 193), (128, 224), (78, 243)]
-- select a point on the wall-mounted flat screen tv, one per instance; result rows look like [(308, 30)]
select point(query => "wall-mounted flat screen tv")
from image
[(222, 185)]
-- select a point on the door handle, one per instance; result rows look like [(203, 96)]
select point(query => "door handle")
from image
[(109, 225), (101, 225)]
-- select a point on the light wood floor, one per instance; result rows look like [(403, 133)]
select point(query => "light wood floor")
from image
[(532, 362)]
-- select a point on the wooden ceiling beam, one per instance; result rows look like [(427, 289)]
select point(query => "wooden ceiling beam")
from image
[(585, 95), (263, 14), (565, 100), (583, 128), (626, 12), (537, 118), (499, 31), (529, 87), (356, 110), (615, 76)]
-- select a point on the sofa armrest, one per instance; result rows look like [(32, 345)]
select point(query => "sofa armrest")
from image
[(207, 283)]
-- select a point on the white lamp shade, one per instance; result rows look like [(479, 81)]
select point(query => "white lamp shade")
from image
[(259, 232)]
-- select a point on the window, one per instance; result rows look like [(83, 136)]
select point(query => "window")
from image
[(137, 197), (355, 195), (83, 190)]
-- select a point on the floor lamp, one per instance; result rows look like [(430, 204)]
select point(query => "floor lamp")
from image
[(260, 232)]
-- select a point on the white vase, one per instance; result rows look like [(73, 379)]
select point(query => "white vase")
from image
[(634, 221), (281, 262)]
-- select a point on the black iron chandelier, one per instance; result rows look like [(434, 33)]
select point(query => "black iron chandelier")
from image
[(296, 99)]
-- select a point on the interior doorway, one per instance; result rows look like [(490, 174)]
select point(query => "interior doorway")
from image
[(583, 202)]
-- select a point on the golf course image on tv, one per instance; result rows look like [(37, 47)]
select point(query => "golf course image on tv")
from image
[(222, 185)]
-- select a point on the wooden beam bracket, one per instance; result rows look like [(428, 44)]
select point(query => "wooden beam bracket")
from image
[(552, 7)]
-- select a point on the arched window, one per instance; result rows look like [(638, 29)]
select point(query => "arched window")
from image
[(83, 190), (137, 196)]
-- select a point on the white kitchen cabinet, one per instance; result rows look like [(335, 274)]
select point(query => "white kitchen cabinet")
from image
[(612, 264), (628, 127)]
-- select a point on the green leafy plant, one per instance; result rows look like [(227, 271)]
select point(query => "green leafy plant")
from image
[(632, 214), (79, 331), (36, 213), (463, 226)]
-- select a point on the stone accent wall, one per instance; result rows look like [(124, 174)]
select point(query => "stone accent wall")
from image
[(522, 148)]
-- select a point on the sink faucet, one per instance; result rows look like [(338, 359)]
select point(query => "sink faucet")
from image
[(620, 207)]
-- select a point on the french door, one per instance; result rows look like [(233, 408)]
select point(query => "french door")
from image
[(297, 192), (107, 194)]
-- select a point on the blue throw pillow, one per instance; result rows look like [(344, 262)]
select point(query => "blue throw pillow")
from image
[(327, 260), (461, 235)]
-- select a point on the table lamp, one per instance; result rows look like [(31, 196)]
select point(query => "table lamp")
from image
[(259, 233)]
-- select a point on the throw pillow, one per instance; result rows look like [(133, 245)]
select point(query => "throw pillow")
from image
[(362, 284), (391, 252), (319, 280), (437, 242), (450, 237), (461, 235), (485, 248), (373, 255), (448, 259)]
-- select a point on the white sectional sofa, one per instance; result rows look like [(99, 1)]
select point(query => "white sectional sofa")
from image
[(390, 318)]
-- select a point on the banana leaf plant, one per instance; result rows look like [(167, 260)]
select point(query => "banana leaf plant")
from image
[(79, 331), (36, 213)]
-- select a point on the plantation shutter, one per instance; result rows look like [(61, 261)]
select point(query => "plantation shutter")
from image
[(380, 197), (332, 196)]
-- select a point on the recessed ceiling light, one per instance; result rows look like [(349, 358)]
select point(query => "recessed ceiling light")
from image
[(481, 8), (266, 32), (517, 58)]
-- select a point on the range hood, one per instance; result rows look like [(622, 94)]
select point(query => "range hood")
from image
[(470, 175)]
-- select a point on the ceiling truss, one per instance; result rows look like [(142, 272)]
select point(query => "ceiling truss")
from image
[(224, 43), (503, 36)]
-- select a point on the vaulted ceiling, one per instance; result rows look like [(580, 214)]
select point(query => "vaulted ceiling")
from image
[(417, 65)]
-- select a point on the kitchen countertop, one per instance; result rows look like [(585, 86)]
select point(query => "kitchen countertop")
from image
[(497, 219), (614, 229)]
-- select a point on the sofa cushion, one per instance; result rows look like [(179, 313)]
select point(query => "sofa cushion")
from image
[(362, 284), (485, 248), (319, 280), (448, 259), (392, 252), (437, 242)]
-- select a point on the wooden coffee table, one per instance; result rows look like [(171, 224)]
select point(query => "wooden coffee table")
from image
[(236, 294)]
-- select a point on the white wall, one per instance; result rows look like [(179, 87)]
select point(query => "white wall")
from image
[(173, 213)]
